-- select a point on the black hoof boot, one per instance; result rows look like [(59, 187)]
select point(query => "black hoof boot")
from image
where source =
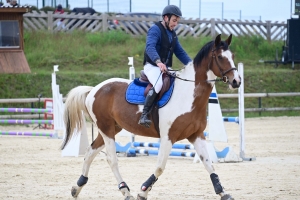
[(216, 183)]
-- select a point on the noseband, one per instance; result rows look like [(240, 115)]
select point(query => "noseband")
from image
[(224, 78)]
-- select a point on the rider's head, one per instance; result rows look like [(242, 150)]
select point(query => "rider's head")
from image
[(171, 15)]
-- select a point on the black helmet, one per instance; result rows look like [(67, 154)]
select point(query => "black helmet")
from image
[(172, 9), (59, 7)]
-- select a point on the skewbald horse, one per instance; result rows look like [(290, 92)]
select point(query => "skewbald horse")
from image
[(184, 117)]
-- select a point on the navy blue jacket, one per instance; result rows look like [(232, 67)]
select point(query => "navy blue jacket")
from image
[(153, 45)]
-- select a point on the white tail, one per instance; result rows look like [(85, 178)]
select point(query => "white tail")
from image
[(74, 105)]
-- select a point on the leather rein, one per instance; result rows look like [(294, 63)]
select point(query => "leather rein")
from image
[(224, 78)]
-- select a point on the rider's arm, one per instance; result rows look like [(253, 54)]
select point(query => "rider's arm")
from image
[(153, 43), (181, 54)]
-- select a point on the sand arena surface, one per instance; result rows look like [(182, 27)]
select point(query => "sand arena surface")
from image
[(32, 167)]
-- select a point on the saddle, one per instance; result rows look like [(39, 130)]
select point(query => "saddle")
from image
[(138, 89), (166, 84)]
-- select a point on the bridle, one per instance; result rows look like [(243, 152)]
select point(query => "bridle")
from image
[(224, 78)]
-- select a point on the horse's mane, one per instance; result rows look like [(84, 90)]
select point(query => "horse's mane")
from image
[(203, 53)]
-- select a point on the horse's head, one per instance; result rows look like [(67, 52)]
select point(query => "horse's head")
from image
[(222, 64)]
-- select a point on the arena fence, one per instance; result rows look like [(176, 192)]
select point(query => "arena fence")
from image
[(138, 25)]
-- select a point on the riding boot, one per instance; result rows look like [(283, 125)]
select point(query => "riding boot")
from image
[(150, 98)]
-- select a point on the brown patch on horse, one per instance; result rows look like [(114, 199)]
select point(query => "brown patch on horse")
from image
[(113, 112), (192, 124), (98, 142)]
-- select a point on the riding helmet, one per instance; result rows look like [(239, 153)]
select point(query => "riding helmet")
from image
[(172, 9)]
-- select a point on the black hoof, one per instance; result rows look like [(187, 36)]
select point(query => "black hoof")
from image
[(73, 192), (141, 198), (227, 197)]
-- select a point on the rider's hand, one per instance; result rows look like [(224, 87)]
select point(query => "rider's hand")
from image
[(162, 67)]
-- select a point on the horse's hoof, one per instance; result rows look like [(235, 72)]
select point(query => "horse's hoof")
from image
[(227, 197), (141, 198), (75, 191), (129, 198)]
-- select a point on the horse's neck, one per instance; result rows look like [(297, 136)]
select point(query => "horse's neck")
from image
[(204, 83), (190, 90), (187, 72)]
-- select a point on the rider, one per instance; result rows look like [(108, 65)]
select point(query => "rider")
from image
[(161, 43)]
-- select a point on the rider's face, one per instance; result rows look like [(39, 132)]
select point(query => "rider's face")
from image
[(173, 21)]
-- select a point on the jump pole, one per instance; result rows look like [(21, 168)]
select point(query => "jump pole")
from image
[(25, 121), (242, 115), (155, 152), (52, 135), (26, 110)]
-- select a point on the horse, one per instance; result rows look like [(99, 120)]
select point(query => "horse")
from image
[(183, 117)]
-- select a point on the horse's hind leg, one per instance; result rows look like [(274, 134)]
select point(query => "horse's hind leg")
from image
[(91, 153), (201, 149), (111, 157)]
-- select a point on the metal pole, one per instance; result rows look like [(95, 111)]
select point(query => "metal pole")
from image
[(92, 3), (291, 8), (180, 4), (222, 11), (88, 3), (168, 2), (130, 5), (259, 104), (199, 9), (108, 6)]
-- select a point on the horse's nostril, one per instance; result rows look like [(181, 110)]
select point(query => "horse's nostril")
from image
[(235, 84)]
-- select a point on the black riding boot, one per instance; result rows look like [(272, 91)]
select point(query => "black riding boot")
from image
[(150, 98)]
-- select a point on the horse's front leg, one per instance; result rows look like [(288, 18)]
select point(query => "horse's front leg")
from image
[(91, 153), (111, 157), (201, 149), (163, 154)]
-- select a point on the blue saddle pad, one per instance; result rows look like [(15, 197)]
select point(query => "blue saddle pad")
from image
[(135, 93)]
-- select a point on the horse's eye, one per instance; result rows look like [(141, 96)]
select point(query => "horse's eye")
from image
[(220, 57)]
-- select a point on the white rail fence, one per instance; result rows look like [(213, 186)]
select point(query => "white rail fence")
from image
[(246, 95), (139, 25)]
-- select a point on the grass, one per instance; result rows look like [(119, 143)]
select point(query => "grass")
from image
[(90, 58)]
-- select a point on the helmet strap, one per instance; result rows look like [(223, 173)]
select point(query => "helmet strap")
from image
[(167, 23)]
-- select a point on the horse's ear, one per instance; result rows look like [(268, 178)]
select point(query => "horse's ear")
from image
[(228, 40), (217, 40)]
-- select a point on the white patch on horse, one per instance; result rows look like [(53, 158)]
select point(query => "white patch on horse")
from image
[(181, 100), (211, 76), (141, 107), (111, 155), (228, 55), (89, 101)]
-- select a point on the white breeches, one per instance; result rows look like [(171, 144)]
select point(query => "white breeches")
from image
[(154, 76)]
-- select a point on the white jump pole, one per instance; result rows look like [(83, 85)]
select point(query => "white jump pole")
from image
[(131, 77), (242, 115)]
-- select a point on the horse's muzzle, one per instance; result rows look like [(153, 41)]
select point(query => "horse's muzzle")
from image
[(236, 83)]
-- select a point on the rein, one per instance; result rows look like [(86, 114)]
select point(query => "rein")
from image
[(224, 78)]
